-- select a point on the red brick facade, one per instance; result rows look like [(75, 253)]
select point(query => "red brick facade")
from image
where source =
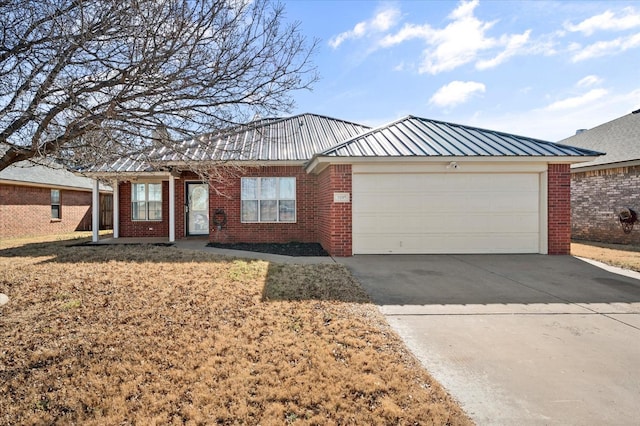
[(559, 208), (227, 197), (26, 211), (334, 225), (143, 228), (597, 197), (318, 217)]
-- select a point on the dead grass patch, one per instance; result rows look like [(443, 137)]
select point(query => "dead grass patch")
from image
[(158, 335), (623, 256)]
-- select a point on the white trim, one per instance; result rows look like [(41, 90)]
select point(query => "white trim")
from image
[(172, 208), (124, 176), (620, 164), (543, 189), (95, 210), (321, 162), (50, 186), (235, 163), (116, 210), (445, 167), (132, 175)]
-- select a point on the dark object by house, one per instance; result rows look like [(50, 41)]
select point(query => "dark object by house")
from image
[(628, 218)]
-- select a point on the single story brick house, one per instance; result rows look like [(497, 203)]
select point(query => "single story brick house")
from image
[(604, 186), (39, 199), (412, 186)]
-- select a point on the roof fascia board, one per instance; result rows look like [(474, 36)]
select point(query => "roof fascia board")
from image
[(577, 168), (50, 186), (123, 175), (185, 166), (322, 162)]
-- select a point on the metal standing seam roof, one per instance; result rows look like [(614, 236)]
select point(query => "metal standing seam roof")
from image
[(619, 138), (296, 138), (420, 137)]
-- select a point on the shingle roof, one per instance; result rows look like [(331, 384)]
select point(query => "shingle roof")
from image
[(51, 174), (620, 139), (295, 138), (414, 136)]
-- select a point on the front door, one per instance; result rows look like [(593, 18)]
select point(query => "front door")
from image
[(197, 209)]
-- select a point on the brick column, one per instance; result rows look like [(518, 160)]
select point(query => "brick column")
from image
[(559, 205), (334, 227)]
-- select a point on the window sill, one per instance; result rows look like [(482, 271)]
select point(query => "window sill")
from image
[(56, 220), (146, 220)]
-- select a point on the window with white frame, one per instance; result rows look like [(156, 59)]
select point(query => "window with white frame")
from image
[(56, 213), (146, 201), (268, 199)]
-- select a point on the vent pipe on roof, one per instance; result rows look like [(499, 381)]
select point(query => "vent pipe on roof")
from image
[(580, 131)]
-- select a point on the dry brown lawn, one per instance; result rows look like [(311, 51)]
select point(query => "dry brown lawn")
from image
[(158, 335), (624, 256)]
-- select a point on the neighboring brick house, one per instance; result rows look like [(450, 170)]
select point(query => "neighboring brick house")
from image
[(44, 200), (412, 186), (602, 188)]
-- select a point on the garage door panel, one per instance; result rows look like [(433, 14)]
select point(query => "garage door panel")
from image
[(447, 182), (446, 213), (414, 201), (433, 223), (457, 244)]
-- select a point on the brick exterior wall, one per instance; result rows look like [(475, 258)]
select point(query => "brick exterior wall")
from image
[(226, 195), (559, 208), (26, 211), (143, 228), (334, 225), (597, 197), (318, 218)]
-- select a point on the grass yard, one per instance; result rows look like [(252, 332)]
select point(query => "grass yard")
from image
[(158, 335), (624, 256)]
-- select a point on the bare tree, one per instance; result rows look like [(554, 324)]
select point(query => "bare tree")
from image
[(87, 80)]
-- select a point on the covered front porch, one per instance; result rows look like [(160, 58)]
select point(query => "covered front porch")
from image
[(170, 207)]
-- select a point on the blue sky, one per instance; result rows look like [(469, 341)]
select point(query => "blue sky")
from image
[(536, 68)]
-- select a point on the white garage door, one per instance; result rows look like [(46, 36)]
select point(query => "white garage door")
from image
[(446, 213)]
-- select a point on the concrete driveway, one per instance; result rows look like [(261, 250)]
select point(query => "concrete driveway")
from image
[(517, 339)]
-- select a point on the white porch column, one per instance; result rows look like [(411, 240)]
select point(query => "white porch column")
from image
[(95, 211), (116, 209), (172, 208)]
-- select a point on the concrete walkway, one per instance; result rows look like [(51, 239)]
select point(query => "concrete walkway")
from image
[(517, 339)]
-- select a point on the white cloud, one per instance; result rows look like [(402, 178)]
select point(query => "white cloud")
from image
[(627, 19), (399, 67), (550, 125), (381, 22), (408, 32), (456, 92), (589, 80), (607, 48), (462, 41), (514, 44), (577, 101)]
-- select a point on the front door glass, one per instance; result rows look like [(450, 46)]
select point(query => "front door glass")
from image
[(198, 204)]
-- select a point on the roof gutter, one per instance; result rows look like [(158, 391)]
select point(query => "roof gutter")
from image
[(52, 186), (319, 163), (577, 168)]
